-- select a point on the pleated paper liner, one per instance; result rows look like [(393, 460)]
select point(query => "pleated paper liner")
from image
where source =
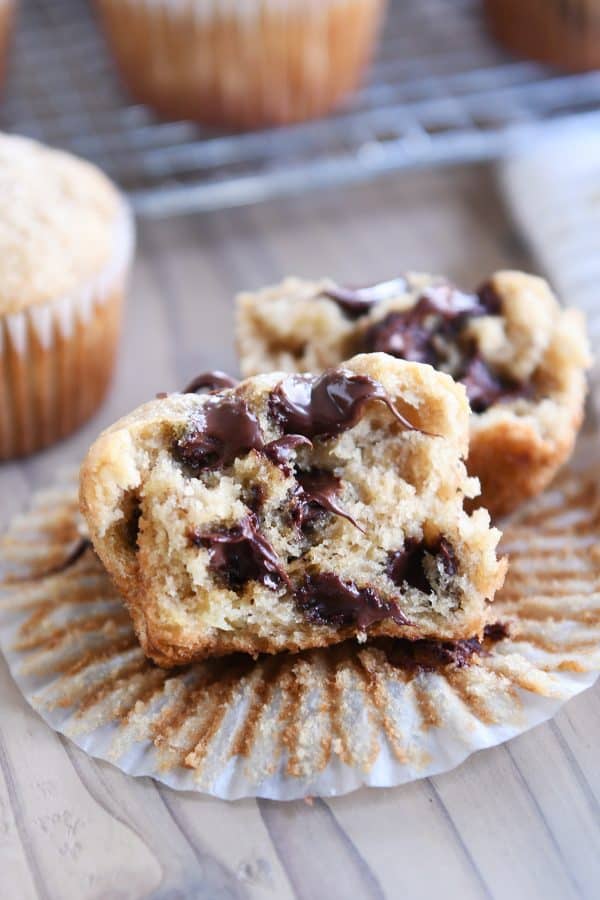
[(317, 723)]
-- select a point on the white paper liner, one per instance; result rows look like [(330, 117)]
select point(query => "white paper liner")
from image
[(319, 723)]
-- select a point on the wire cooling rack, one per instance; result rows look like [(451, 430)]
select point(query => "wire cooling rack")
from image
[(439, 92)]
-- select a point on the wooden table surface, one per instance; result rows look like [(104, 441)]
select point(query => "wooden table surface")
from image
[(518, 821)]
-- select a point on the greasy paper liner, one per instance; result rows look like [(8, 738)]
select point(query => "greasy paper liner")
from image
[(241, 63), (57, 358), (317, 723)]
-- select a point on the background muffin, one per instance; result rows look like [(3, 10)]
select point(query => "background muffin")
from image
[(562, 32), (7, 12), (521, 357), (245, 63), (66, 239)]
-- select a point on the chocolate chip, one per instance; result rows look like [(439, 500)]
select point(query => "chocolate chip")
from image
[(241, 553), (224, 429), (325, 599), (209, 382), (429, 656), (132, 523), (484, 388), (327, 405), (496, 631), (490, 299), (414, 333), (317, 492), (281, 450), (356, 302), (406, 566), (428, 331)]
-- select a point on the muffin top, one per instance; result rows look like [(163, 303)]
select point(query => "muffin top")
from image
[(59, 224)]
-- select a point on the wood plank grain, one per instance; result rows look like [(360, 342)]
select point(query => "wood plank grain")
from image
[(407, 837)]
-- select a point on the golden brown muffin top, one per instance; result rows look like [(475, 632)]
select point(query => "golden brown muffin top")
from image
[(62, 224)]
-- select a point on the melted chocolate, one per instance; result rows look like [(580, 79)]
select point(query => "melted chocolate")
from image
[(490, 299), (484, 388), (281, 450), (327, 600), (317, 492), (496, 631), (210, 382), (356, 302), (327, 405), (241, 554), (420, 334), (224, 429), (406, 566), (412, 334), (429, 656)]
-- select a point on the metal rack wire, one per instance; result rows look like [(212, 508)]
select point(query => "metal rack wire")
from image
[(440, 91)]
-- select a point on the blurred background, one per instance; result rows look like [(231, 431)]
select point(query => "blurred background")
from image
[(441, 89)]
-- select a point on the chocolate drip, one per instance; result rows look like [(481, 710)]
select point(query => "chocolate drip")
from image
[(356, 302), (406, 566), (327, 405), (223, 430), (210, 382), (325, 599), (241, 554), (281, 450), (317, 492)]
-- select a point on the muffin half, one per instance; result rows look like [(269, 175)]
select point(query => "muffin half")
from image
[(293, 512), (66, 241), (521, 358)]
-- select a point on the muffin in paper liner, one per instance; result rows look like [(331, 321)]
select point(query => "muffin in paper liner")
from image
[(68, 238), (562, 33), (241, 63), (320, 722)]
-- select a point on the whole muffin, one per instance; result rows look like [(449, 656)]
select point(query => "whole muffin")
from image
[(561, 32), (66, 240), (241, 63)]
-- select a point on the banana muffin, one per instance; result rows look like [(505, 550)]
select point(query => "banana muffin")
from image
[(520, 356), (241, 63), (294, 511), (66, 240)]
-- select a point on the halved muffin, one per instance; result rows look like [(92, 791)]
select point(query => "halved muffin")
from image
[(521, 358), (291, 512)]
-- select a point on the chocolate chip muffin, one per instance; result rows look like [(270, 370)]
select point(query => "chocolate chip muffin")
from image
[(521, 358), (294, 511)]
